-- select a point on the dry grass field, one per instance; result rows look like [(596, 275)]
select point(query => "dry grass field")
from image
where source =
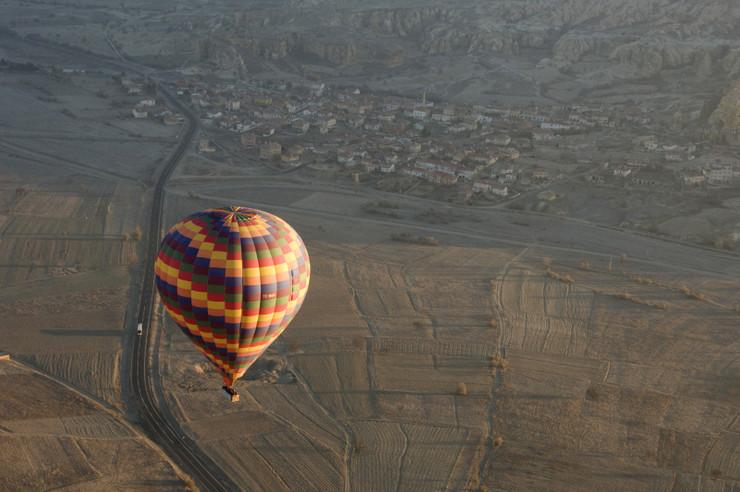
[(71, 199), (53, 438), (477, 368), (68, 252), (66, 283)]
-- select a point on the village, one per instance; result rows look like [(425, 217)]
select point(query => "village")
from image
[(466, 154)]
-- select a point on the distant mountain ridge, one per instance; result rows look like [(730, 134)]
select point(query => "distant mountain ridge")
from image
[(646, 35)]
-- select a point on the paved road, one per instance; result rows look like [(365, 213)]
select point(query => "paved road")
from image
[(156, 418)]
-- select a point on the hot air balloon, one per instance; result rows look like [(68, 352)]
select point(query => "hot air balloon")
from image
[(232, 279)]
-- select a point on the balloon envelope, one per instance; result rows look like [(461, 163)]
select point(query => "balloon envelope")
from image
[(232, 279)]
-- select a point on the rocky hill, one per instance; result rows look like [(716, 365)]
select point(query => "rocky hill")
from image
[(725, 120)]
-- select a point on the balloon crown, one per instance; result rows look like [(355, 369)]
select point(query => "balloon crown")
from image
[(240, 214)]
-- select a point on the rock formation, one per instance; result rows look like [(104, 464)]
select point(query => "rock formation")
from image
[(643, 37), (725, 120)]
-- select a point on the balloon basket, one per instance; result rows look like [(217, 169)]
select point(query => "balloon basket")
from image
[(231, 393)]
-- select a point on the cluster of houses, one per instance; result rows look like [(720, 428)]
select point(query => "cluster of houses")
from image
[(445, 144), (640, 174), (147, 107), (671, 152)]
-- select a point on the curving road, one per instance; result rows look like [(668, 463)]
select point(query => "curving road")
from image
[(157, 419)]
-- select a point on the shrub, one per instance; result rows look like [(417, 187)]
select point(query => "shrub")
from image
[(566, 279), (360, 446), (698, 296), (405, 237), (498, 362), (462, 389)]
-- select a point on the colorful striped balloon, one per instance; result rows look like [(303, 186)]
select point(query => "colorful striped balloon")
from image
[(232, 279)]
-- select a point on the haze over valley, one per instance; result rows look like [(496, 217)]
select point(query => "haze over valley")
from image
[(522, 219)]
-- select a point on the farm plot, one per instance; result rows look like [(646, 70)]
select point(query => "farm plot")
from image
[(293, 405), (14, 275), (392, 456), (396, 254), (386, 302), (50, 462), (48, 205), (272, 461), (59, 213), (98, 373), (371, 275), (635, 334), (418, 373), (95, 253), (74, 335), (703, 384), (243, 424), (449, 295), (339, 382), (540, 401), (418, 326), (432, 454), (428, 408), (90, 426), (544, 315), (330, 307), (479, 263), (534, 466), (380, 449), (638, 392), (723, 459), (52, 437)]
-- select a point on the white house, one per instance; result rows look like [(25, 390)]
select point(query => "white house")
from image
[(719, 174), (622, 171), (419, 114), (387, 167)]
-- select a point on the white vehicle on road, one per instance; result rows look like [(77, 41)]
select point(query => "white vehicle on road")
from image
[(139, 329)]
